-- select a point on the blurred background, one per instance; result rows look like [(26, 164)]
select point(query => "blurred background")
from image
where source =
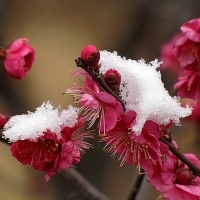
[(58, 29)]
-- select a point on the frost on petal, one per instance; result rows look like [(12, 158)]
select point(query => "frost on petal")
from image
[(34, 124), (143, 91)]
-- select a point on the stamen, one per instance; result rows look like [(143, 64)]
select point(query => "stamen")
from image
[(160, 196)]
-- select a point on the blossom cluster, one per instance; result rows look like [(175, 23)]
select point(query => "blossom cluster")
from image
[(181, 55), (48, 139), (125, 101)]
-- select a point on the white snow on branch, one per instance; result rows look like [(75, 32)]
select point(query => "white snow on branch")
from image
[(143, 91)]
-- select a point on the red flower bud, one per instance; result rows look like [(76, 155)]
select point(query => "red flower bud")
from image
[(112, 79), (91, 55), (19, 58), (3, 120)]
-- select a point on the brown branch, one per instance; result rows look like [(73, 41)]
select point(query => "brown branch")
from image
[(82, 187), (98, 78), (178, 154), (137, 186)]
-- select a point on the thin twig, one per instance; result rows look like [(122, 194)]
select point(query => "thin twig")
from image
[(82, 187), (136, 187)]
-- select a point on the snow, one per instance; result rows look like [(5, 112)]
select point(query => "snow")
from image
[(33, 124), (143, 91)]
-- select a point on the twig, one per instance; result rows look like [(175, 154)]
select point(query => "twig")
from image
[(136, 187), (83, 188)]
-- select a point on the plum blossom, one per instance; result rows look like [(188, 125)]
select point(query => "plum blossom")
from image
[(175, 180), (142, 151), (96, 103), (170, 61), (186, 49), (187, 53), (188, 85), (47, 147), (18, 59), (191, 30)]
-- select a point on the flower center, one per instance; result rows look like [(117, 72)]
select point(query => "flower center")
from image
[(38, 153)]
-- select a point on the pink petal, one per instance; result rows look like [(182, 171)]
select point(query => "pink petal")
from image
[(108, 119), (107, 98)]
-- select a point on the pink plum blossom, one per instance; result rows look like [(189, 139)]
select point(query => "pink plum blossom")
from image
[(96, 103), (186, 49), (187, 53), (142, 151), (191, 30), (175, 180), (19, 58), (188, 85)]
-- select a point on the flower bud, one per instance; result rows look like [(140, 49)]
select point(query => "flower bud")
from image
[(3, 120), (112, 79), (19, 58), (91, 56)]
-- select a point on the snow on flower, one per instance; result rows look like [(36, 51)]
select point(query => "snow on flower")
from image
[(48, 139), (142, 90), (33, 124)]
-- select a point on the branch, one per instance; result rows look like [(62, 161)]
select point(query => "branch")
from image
[(136, 187), (83, 188), (98, 78), (178, 154)]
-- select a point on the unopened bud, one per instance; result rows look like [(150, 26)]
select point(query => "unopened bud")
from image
[(3, 120), (91, 56), (112, 79)]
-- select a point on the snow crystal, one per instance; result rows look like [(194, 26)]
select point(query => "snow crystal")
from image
[(34, 124), (143, 91)]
